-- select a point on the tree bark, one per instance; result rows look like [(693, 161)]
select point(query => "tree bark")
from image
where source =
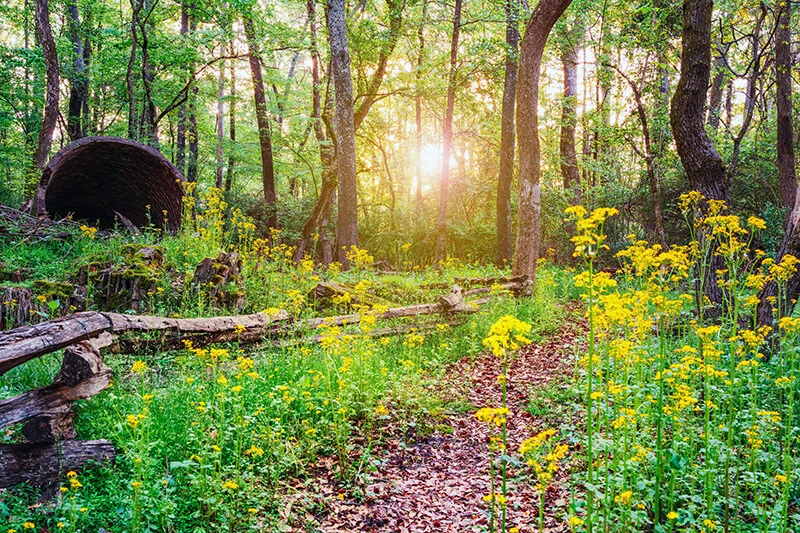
[(447, 136), (569, 158), (544, 16), (79, 82), (507, 140), (701, 161), (787, 177), (50, 116), (347, 224), (262, 118)]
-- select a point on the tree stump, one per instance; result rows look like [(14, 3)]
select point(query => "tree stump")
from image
[(120, 287), (221, 280)]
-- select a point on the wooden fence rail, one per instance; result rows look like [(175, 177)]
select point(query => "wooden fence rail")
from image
[(46, 413)]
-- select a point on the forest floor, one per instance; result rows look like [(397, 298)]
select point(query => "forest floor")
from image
[(437, 483)]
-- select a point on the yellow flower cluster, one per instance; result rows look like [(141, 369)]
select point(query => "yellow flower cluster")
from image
[(508, 333)]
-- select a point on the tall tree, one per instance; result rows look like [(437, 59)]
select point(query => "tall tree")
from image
[(180, 156), (506, 176), (262, 118), (701, 161), (447, 135), (320, 117), (231, 122), (787, 177), (544, 16), (220, 182), (569, 118), (647, 153), (50, 116), (347, 223), (79, 80), (418, 101)]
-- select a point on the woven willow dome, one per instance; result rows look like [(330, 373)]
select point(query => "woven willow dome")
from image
[(98, 178)]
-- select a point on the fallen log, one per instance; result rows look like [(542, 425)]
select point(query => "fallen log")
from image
[(23, 344), (28, 342), (43, 464), (82, 376), (449, 304)]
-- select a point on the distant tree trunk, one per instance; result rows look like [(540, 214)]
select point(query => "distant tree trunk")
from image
[(347, 223), (447, 136), (506, 177), (191, 111), (395, 8), (783, 99), (319, 213), (262, 118), (136, 7), (231, 124), (147, 125), (418, 102), (45, 34), (700, 159), (751, 92), (180, 156), (569, 159), (79, 81), (220, 183), (544, 16), (715, 96), (650, 159)]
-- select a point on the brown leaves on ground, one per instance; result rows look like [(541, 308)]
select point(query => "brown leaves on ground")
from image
[(437, 484)]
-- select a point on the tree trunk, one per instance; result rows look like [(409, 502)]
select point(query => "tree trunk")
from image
[(148, 127), (79, 82), (50, 116), (715, 97), (418, 103), (506, 177), (702, 163), (751, 92), (447, 136), (262, 118), (569, 159), (783, 99), (544, 16), (231, 124), (347, 224), (318, 217), (180, 156), (650, 159), (221, 124), (130, 82)]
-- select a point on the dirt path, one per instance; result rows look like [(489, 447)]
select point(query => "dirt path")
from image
[(437, 484)]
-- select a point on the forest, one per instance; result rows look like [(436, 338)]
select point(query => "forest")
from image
[(329, 266)]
